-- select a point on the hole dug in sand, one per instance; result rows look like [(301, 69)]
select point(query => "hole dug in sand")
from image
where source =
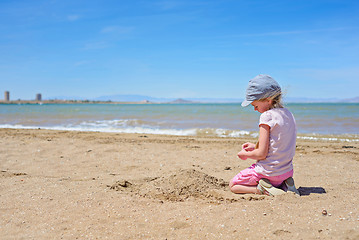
[(183, 185)]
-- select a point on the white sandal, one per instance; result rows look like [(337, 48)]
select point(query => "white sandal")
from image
[(265, 187)]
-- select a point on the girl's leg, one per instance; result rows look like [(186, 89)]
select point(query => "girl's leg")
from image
[(243, 188)]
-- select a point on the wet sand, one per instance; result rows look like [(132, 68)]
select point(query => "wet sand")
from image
[(88, 185)]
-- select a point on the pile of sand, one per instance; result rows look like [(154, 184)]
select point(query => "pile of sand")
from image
[(182, 186)]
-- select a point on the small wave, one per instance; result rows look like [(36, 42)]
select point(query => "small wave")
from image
[(174, 132), (104, 127), (339, 138), (112, 123), (218, 132)]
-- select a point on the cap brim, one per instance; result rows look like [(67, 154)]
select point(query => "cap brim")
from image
[(245, 103)]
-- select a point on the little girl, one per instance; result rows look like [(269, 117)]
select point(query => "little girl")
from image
[(275, 148)]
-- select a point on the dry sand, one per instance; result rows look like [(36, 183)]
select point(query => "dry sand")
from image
[(85, 185)]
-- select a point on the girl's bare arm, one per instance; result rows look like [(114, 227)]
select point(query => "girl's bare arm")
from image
[(261, 152)]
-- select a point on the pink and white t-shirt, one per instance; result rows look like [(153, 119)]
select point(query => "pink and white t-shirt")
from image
[(282, 142)]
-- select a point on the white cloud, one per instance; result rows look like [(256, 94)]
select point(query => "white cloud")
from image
[(73, 17), (80, 63), (96, 45), (116, 29)]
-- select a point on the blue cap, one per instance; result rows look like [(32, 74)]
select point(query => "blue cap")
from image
[(260, 87)]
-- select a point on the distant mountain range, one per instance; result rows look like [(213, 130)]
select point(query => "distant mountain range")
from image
[(140, 98), (143, 98)]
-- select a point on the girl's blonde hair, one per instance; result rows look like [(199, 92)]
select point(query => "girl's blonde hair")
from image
[(276, 100)]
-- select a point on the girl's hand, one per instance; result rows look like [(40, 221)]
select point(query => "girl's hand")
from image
[(248, 146), (242, 154)]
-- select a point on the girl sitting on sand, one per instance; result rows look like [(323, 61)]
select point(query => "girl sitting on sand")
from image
[(275, 148)]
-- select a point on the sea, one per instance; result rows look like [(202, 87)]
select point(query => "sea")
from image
[(315, 121)]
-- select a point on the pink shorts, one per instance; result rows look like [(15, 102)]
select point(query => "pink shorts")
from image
[(250, 177)]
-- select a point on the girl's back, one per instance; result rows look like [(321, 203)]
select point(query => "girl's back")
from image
[(282, 142)]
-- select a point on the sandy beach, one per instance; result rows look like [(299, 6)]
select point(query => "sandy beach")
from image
[(91, 185)]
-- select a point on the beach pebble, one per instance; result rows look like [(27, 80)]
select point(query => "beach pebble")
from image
[(324, 212)]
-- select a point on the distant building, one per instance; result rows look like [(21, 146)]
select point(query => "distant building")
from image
[(7, 96), (38, 97)]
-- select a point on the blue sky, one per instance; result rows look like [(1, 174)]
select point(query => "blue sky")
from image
[(176, 49)]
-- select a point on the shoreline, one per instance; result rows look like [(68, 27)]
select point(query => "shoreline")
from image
[(93, 185), (346, 137)]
